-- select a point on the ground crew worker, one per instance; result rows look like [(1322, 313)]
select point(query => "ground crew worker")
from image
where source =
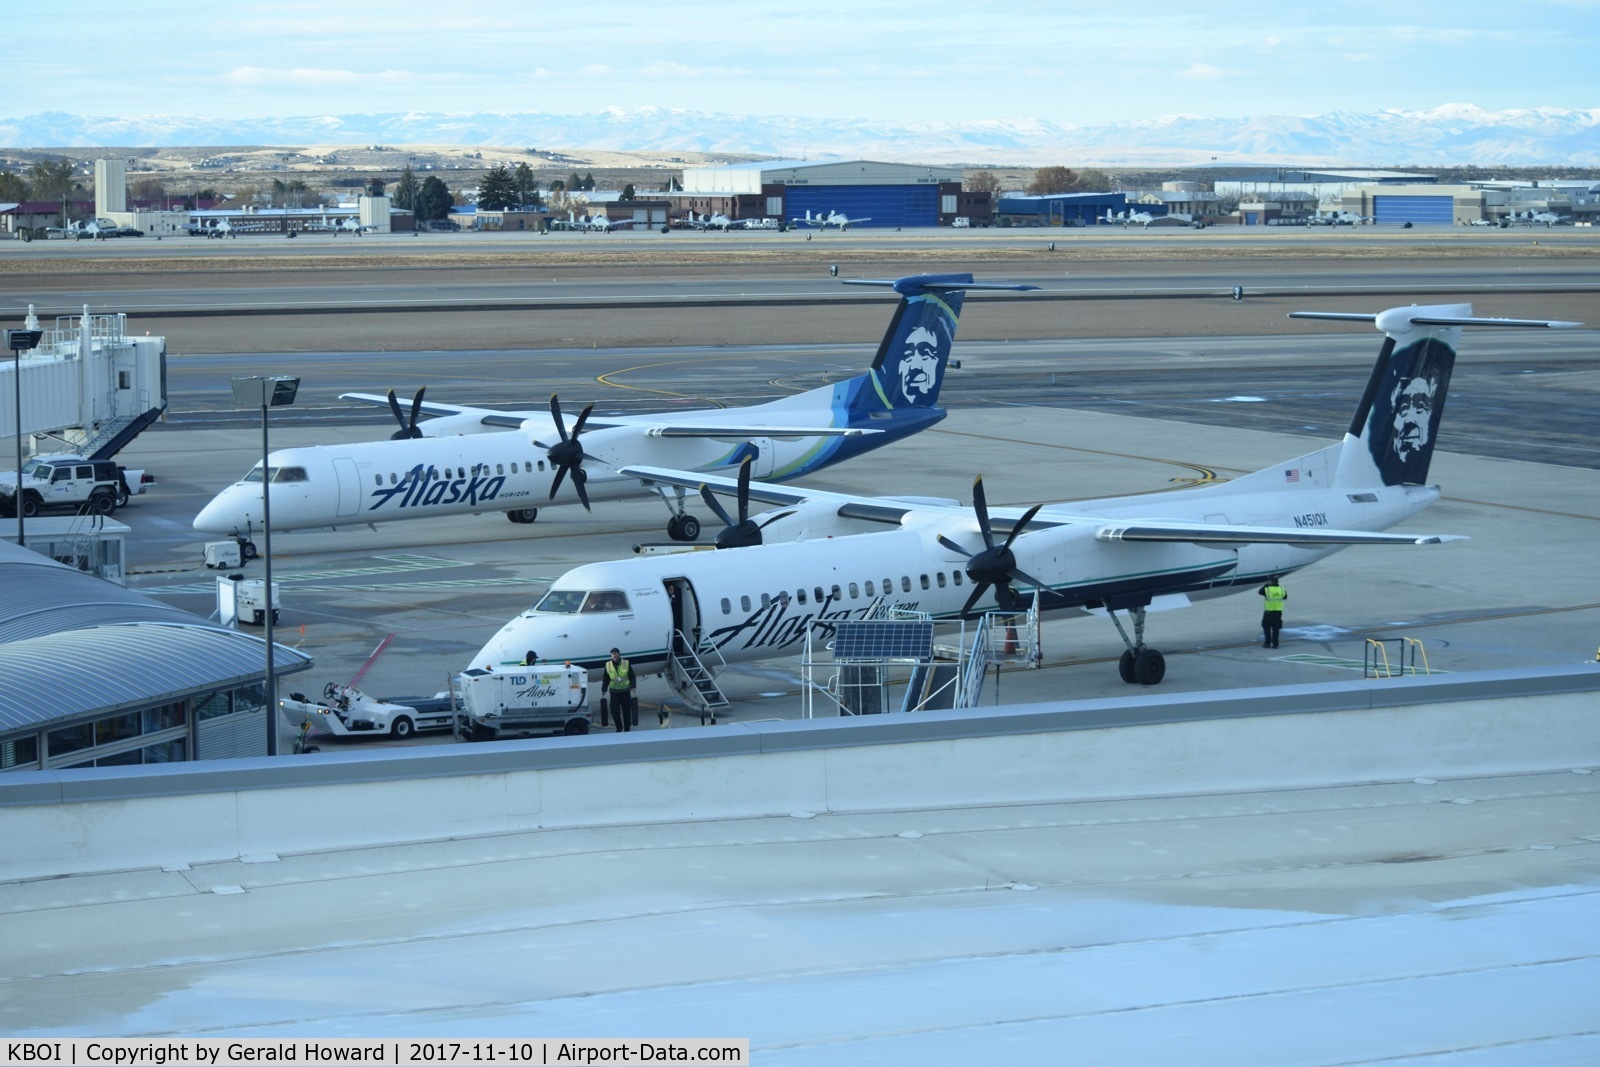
[(1272, 611), (530, 658), (619, 682)]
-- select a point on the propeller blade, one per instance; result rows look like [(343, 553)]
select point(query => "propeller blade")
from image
[(555, 413), (744, 490), (980, 505), (408, 428), (561, 472), (583, 417), (578, 480), (715, 505), (977, 595), (1027, 517), (1030, 579), (952, 546)]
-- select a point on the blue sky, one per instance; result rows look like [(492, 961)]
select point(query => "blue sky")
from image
[(1087, 62)]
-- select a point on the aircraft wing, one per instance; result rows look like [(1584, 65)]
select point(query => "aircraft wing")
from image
[(1204, 533), (744, 433), (511, 420)]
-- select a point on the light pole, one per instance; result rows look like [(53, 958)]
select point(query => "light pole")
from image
[(20, 341), (271, 392)]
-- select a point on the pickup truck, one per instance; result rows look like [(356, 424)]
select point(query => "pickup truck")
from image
[(72, 482)]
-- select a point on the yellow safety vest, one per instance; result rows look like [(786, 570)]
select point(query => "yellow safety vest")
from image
[(1275, 597), (615, 672)]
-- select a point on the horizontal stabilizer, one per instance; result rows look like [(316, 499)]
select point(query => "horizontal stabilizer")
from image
[(935, 282), (1399, 316), (1203, 533)]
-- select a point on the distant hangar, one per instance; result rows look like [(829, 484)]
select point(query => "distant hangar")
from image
[(888, 195)]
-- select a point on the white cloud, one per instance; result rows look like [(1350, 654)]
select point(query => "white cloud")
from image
[(1202, 72)]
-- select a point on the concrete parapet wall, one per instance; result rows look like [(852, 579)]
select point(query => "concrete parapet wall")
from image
[(1497, 722)]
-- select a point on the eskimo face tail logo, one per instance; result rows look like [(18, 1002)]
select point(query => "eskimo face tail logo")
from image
[(913, 367), (1404, 425)]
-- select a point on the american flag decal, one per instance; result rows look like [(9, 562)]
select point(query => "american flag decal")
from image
[(1292, 474)]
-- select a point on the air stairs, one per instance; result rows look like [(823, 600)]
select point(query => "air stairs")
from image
[(693, 679)]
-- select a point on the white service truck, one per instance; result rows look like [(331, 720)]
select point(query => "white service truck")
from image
[(75, 482), (520, 701)]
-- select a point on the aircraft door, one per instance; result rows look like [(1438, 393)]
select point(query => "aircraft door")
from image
[(685, 605), (349, 480), (766, 460)]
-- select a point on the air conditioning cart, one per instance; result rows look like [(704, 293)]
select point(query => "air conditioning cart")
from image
[(520, 702)]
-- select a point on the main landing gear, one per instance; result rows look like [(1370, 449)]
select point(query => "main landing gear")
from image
[(1140, 664), (523, 516), (682, 526)]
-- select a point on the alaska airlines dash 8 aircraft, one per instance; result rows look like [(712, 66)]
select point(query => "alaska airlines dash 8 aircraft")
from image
[(415, 475), (1121, 554)]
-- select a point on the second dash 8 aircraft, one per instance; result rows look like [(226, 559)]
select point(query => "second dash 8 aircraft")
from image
[(535, 459), (809, 565)]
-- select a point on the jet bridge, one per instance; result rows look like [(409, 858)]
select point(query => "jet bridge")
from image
[(88, 385)]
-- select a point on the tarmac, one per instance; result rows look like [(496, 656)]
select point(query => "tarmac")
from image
[(398, 607)]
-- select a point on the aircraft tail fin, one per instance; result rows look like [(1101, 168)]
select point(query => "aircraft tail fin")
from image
[(1396, 425), (908, 370)]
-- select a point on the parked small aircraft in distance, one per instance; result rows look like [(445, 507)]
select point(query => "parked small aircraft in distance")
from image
[(717, 221), (1546, 219), (832, 218), (338, 226), (1337, 218), (421, 473), (591, 223), (1127, 218), (808, 565)]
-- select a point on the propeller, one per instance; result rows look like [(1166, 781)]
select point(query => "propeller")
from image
[(745, 532), (408, 426), (995, 565), (567, 454)]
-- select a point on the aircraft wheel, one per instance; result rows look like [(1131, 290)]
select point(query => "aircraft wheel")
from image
[(1149, 667), (523, 516), (401, 728), (689, 528), (247, 551), (1125, 667)]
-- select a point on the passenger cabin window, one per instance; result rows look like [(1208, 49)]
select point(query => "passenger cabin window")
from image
[(940, 578), (744, 603), (855, 590), (956, 577), (834, 592), (727, 606), (766, 601), (800, 594), (905, 583), (925, 584), (564, 601), (818, 591), (872, 590)]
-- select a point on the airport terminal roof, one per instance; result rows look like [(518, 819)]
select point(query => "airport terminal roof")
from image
[(130, 650)]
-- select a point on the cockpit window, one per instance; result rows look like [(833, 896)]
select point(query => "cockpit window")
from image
[(279, 474), (606, 600), (564, 601)]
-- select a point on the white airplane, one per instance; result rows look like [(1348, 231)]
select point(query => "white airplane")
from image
[(1546, 219), (832, 218), (1127, 218), (420, 474), (808, 566), (1337, 218), (346, 225), (593, 223), (718, 221)]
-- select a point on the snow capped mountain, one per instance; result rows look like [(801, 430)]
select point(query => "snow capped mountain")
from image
[(1448, 134)]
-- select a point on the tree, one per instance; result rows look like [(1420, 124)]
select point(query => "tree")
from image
[(588, 182), (497, 191), (627, 192), (148, 189), (13, 187), (1047, 180), (526, 184), (574, 183), (433, 200), (1094, 181), (287, 193), (982, 181), (405, 190), (52, 179)]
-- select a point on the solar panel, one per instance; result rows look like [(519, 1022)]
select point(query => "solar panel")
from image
[(883, 640)]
